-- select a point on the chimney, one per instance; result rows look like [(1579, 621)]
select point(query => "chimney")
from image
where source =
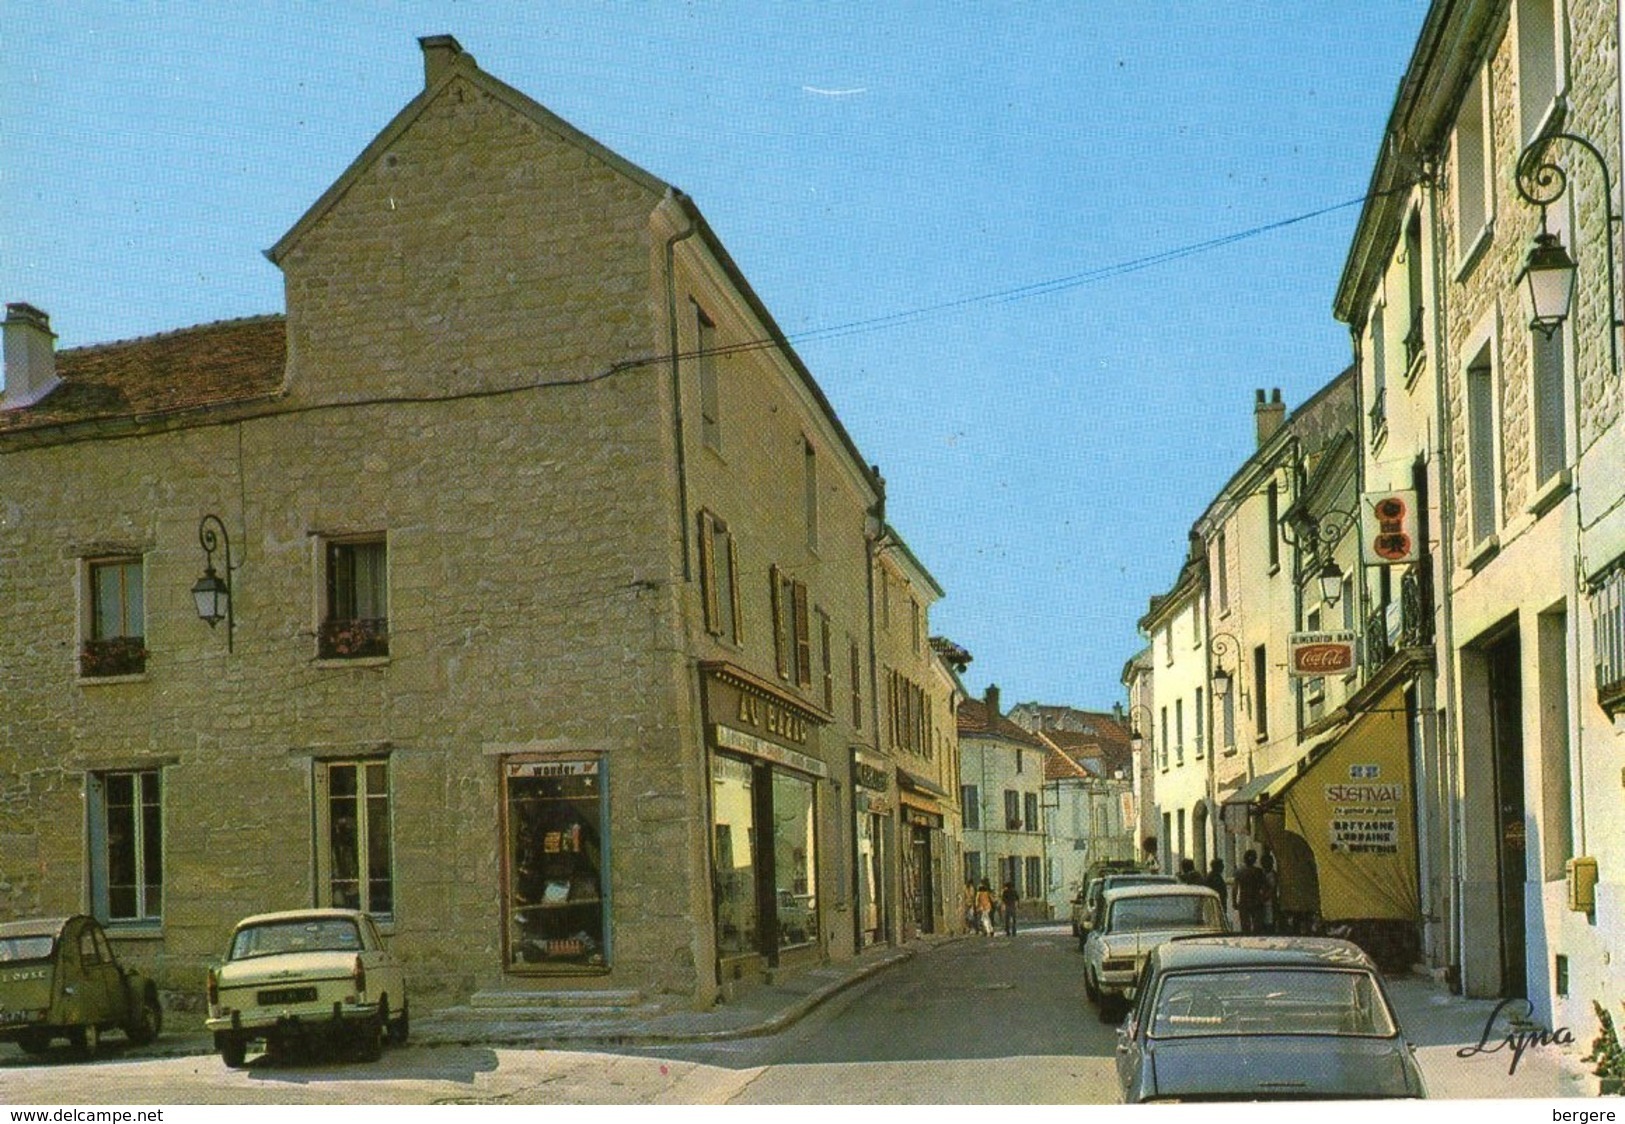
[(30, 357), (1268, 416), (991, 698), (439, 53)]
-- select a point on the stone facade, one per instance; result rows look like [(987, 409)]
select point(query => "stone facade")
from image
[(617, 553)]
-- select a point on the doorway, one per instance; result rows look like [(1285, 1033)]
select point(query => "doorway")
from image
[(1506, 751)]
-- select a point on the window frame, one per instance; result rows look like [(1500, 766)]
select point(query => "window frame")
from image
[(706, 375), (322, 841), (353, 637), (719, 579), (100, 833), (103, 652)]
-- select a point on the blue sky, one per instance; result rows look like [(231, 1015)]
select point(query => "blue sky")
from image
[(1046, 447)]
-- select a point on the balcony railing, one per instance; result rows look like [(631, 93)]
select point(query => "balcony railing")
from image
[(1407, 623), (356, 638), (1608, 634)]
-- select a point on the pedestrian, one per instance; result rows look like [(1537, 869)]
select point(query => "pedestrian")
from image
[(1215, 882), (1009, 898), (1271, 917), (967, 905), (984, 909), (1148, 854), (1249, 893), (1188, 874)]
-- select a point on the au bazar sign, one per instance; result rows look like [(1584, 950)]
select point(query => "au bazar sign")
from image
[(1313, 654)]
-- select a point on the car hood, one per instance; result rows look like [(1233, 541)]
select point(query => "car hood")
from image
[(259, 970), (1286, 1067)]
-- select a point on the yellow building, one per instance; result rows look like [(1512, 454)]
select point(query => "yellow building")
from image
[(550, 633)]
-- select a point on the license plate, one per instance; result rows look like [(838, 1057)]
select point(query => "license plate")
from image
[(277, 997)]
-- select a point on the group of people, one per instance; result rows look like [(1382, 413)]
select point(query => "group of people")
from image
[(983, 910), (1253, 893)]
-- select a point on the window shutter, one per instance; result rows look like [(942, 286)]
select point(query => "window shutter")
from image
[(733, 593), (803, 629), (777, 598), (708, 574)]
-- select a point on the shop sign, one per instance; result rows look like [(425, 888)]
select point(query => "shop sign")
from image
[(1313, 654), (553, 768), (1389, 536), (867, 776), (1365, 812), (727, 737)]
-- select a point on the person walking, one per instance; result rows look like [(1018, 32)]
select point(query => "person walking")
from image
[(1249, 893), (967, 905), (1009, 898), (984, 909), (1188, 874), (1215, 882), (1270, 918)]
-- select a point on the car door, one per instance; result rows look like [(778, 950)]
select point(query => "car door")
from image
[(1131, 1055), (101, 998), (382, 965)]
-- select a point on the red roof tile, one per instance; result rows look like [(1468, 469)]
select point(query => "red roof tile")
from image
[(207, 365)]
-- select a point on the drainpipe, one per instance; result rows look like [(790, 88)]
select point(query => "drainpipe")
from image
[(683, 533)]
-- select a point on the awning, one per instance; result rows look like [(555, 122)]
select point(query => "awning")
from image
[(1345, 816), (915, 791)]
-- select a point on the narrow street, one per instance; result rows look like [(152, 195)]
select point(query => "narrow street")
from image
[(974, 1021)]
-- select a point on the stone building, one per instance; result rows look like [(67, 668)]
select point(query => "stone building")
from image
[(551, 635), (1001, 779), (1507, 431)]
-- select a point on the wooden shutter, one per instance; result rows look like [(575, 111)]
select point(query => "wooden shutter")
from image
[(733, 593), (777, 598), (708, 574), (803, 630)]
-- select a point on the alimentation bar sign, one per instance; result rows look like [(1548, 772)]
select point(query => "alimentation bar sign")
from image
[(1313, 654)]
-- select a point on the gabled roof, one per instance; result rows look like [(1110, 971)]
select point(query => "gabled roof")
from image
[(1062, 766), (974, 722), (170, 373)]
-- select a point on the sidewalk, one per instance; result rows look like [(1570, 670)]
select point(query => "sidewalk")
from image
[(1441, 1025)]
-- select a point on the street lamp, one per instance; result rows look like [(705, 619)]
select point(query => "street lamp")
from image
[(1136, 738), (1549, 271), (1219, 644), (211, 592), (1331, 582)]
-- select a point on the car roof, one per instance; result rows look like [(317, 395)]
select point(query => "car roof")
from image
[(301, 915), (37, 927), (1235, 950), (1132, 877), (1157, 890)]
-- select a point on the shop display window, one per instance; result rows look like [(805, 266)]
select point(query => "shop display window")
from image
[(795, 859), (734, 846), (557, 892)]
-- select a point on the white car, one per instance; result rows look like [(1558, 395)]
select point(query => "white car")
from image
[(303, 975), (1129, 922)]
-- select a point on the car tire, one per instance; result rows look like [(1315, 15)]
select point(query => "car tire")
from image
[(233, 1051), (1089, 988), (369, 1043), (401, 1027), (87, 1040), (148, 1023)]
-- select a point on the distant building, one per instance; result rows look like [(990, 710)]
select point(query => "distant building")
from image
[(1001, 779)]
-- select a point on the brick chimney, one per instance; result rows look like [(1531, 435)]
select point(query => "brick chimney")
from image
[(439, 53), (1269, 415), (991, 699), (30, 357)]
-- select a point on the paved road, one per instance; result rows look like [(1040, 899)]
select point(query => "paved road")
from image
[(983, 1021)]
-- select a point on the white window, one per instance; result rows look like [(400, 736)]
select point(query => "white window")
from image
[(1483, 473), (127, 846), (1540, 67), (1473, 201), (355, 867)]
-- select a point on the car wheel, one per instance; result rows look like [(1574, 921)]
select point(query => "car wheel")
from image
[(148, 1023), (35, 1042), (402, 1026), (1089, 988), (88, 1039), (369, 1041), (233, 1051)]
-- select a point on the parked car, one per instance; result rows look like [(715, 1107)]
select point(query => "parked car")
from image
[(59, 978), (1263, 1018), (1084, 906), (1129, 922), (307, 975)]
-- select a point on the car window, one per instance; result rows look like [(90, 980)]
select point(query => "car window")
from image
[(25, 948), (1318, 1001), (319, 934), (104, 951), (89, 955), (1172, 911)]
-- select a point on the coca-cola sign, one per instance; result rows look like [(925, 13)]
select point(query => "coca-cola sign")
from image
[(1313, 654)]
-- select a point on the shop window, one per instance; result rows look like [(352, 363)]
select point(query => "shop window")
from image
[(356, 621), (795, 865), (115, 642), (557, 899), (353, 853), (733, 833), (127, 846)]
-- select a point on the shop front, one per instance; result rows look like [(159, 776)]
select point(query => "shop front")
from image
[(923, 853), (871, 810), (765, 845), (556, 900)]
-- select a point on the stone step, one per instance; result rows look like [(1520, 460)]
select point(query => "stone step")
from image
[(588, 998)]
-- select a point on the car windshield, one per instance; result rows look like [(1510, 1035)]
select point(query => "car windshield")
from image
[(1168, 911), (308, 934), (1321, 1001), (25, 948)]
